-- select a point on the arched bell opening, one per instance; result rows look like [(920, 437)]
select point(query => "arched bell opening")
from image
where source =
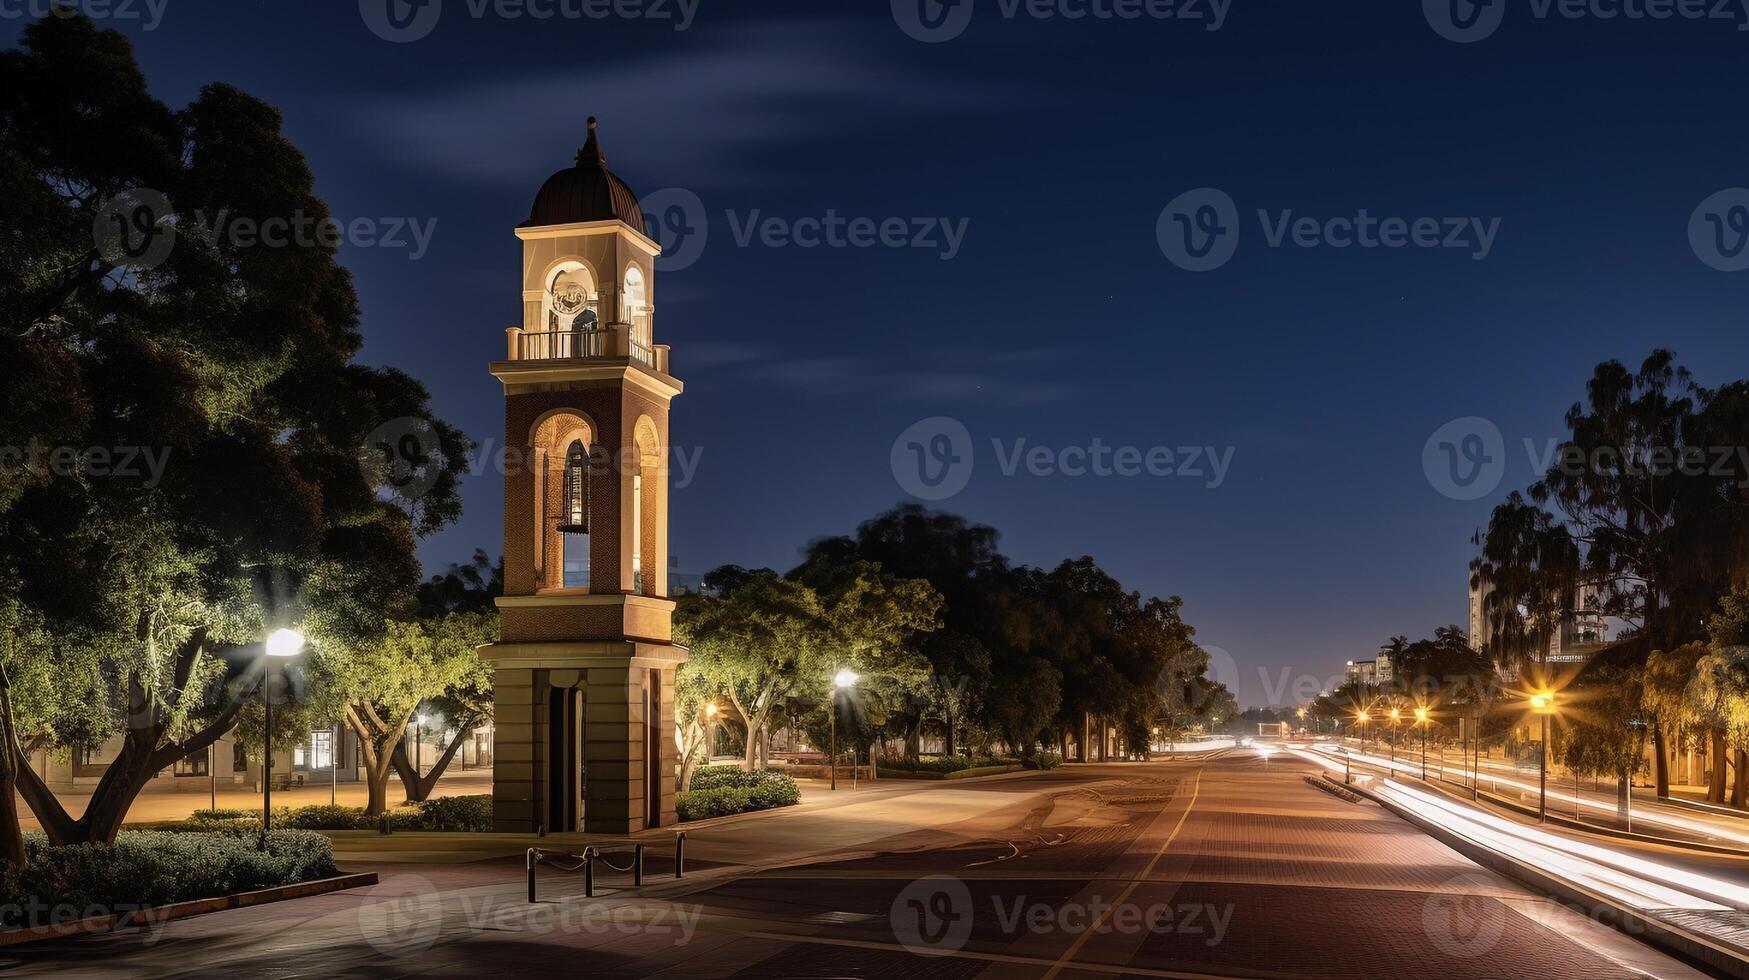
[(565, 499)]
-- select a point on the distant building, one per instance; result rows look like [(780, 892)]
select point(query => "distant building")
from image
[(1579, 637)]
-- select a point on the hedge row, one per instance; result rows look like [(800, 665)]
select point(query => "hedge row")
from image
[(147, 868), (446, 813), (943, 763), (760, 790)]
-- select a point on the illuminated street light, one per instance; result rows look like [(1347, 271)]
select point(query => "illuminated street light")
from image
[(844, 680), (1362, 717), (1396, 716), (281, 644), (1543, 703), (1422, 719)]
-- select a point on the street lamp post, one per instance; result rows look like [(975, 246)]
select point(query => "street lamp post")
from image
[(1543, 703), (845, 679), (1395, 716), (1363, 717), (281, 644), (1421, 718)]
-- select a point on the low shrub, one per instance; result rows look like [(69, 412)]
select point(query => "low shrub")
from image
[(943, 763), (457, 814), (447, 813), (1045, 760), (743, 793), (145, 868)]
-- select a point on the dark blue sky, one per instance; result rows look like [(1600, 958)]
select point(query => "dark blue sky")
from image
[(1060, 320)]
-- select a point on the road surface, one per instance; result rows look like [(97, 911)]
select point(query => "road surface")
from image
[(1226, 865)]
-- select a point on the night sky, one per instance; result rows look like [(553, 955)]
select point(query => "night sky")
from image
[(1585, 144)]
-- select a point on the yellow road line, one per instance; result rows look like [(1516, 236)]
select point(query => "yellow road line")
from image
[(1081, 940)]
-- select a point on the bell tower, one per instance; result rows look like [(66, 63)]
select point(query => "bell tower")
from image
[(584, 664)]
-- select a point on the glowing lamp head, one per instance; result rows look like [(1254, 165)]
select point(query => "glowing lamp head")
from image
[(1421, 714), (285, 643), (845, 678), (1396, 714), (1543, 702), (711, 710), (1363, 717)]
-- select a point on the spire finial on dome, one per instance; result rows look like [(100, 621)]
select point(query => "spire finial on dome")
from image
[(591, 150)]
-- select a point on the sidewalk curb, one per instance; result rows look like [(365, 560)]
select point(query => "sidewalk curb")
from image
[(182, 910), (1571, 824), (1634, 924)]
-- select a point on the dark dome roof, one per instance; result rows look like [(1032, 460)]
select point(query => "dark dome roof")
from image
[(585, 192)]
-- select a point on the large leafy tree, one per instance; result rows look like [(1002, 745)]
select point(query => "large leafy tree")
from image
[(471, 588), (214, 388), (980, 610), (377, 686)]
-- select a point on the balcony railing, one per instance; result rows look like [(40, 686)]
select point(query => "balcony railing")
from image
[(607, 341)]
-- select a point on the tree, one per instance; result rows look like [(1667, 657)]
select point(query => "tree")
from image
[(961, 561), (471, 588), (377, 687), (757, 638), (1602, 733), (227, 367)]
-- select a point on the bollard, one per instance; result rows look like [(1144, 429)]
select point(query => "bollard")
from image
[(637, 865), (589, 872), (531, 861), (679, 853)]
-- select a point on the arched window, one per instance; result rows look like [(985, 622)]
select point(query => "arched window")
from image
[(574, 513), (571, 303), (635, 307)]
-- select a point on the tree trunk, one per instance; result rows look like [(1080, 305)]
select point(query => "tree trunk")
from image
[(1715, 790), (914, 738), (145, 753), (12, 758), (1660, 763), (418, 785), (1740, 785)]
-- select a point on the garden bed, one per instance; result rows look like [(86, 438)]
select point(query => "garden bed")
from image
[(145, 870), (970, 773), (720, 791), (453, 814)]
